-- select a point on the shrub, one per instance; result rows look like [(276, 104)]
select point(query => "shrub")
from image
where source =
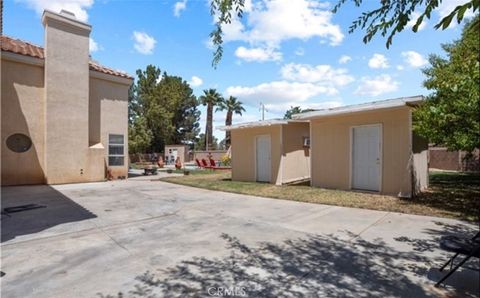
[(226, 160)]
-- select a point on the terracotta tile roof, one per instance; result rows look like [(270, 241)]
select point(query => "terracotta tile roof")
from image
[(18, 46)]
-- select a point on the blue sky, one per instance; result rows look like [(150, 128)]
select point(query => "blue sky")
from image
[(282, 53)]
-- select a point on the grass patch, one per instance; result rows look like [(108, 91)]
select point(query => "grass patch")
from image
[(192, 172), (452, 195)]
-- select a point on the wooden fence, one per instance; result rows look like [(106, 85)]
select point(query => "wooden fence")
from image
[(441, 158)]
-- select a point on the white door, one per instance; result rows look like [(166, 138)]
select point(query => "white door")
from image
[(263, 158), (366, 157)]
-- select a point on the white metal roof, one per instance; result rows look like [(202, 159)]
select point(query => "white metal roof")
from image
[(258, 124), (369, 106)]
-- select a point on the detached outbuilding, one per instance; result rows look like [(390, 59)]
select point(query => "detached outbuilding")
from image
[(274, 151), (174, 151), (368, 147)]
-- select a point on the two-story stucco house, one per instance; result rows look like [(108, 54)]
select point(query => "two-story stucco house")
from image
[(64, 117)]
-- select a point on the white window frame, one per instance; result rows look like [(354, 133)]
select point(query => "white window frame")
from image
[(116, 145)]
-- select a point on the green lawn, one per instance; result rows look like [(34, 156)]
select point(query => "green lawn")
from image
[(191, 172), (453, 195)]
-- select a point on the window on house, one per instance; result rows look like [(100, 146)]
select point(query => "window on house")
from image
[(116, 154)]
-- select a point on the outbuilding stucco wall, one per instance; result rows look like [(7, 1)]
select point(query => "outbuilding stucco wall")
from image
[(22, 112), (296, 157), (243, 152), (330, 149)]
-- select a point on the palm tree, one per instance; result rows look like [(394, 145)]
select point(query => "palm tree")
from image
[(233, 106), (210, 99)]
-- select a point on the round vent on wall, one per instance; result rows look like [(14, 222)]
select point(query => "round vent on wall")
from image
[(19, 143)]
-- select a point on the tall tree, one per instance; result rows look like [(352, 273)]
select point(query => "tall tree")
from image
[(176, 92), (162, 109), (389, 18), (392, 17), (295, 110), (139, 136), (210, 98), (201, 142), (233, 106), (292, 111), (155, 106), (451, 113)]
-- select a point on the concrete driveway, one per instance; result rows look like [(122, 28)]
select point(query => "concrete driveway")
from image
[(154, 239)]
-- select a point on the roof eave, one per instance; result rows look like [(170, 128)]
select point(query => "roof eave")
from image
[(265, 123), (413, 101)]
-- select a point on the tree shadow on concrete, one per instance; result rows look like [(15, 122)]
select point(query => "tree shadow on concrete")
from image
[(59, 209), (466, 280), (432, 243), (318, 266)]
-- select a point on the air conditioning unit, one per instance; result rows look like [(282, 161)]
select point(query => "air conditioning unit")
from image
[(306, 142)]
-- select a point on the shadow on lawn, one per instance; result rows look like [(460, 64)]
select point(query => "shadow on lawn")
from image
[(318, 266), (453, 192)]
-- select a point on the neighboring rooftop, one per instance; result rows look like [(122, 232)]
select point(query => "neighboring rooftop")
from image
[(21, 47), (258, 124), (363, 107)]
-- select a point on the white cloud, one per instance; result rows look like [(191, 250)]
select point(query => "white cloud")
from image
[(270, 22), (447, 6), (400, 67), (344, 59), (378, 61), (195, 81), (258, 54), (322, 74), (277, 92), (144, 43), (78, 7), (281, 108), (300, 85), (413, 21), (93, 46), (414, 59), (179, 7), (377, 85), (299, 52)]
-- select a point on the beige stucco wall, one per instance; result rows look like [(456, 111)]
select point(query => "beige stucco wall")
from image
[(22, 112), (296, 157), (243, 152), (109, 115), (66, 94), (330, 149), (66, 109)]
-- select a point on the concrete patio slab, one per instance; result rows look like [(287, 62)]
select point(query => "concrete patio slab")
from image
[(143, 237)]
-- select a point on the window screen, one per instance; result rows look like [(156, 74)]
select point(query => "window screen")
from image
[(116, 153)]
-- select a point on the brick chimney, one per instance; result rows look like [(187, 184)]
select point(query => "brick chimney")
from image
[(66, 96)]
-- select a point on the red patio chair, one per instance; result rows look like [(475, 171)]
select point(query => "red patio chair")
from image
[(212, 163), (205, 164), (215, 167)]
